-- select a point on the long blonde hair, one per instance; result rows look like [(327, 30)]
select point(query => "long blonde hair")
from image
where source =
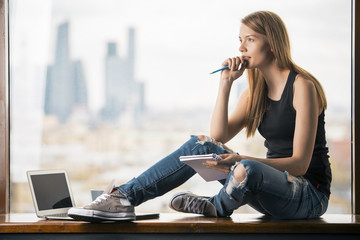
[(271, 25)]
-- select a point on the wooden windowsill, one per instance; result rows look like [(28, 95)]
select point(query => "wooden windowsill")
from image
[(186, 223)]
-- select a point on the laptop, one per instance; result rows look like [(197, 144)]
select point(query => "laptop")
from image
[(51, 193), (52, 196)]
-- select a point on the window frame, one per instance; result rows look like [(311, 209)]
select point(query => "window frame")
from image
[(355, 107), (5, 106)]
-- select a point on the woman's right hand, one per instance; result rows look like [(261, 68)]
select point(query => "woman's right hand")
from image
[(225, 164), (233, 72)]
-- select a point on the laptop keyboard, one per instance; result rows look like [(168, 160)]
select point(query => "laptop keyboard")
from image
[(59, 215)]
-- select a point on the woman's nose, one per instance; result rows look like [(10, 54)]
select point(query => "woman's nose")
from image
[(242, 48)]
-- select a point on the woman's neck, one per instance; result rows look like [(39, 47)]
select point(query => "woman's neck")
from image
[(275, 79)]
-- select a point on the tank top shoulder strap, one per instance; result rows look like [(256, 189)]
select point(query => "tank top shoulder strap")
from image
[(288, 91)]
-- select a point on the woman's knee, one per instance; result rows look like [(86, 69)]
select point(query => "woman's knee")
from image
[(248, 169), (201, 137), (204, 138), (239, 173)]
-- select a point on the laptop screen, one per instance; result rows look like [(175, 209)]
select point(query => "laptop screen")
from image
[(51, 191)]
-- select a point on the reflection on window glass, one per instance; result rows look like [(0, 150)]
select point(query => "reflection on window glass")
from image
[(106, 90)]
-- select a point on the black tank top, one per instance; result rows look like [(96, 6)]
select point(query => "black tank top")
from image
[(278, 126)]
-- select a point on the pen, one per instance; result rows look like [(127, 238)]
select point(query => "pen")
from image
[(219, 70)]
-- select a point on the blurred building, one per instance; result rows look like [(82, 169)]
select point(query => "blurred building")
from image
[(66, 89), (122, 91)]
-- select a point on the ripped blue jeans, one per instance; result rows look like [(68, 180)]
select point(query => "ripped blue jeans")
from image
[(266, 189), (271, 192)]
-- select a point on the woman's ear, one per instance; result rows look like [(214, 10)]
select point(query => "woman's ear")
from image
[(271, 49)]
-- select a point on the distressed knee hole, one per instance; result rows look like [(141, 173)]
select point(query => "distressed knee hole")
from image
[(240, 173), (291, 178), (203, 139), (237, 179), (295, 182), (231, 185)]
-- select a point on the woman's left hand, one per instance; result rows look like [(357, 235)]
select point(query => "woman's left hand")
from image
[(224, 165)]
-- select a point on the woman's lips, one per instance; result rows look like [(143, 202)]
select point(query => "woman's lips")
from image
[(246, 61)]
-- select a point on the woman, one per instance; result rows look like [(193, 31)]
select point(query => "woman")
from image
[(285, 103)]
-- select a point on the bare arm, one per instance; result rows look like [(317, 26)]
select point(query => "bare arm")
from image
[(222, 127), (306, 105)]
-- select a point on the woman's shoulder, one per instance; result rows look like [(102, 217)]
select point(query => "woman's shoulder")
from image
[(304, 91), (302, 83)]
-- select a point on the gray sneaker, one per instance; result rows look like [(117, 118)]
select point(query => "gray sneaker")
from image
[(190, 203), (111, 206)]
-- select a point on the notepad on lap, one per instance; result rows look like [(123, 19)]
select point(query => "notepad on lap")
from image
[(196, 162)]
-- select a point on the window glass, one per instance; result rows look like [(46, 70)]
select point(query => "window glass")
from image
[(104, 89)]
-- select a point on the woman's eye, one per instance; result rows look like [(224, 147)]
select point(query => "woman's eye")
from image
[(250, 39)]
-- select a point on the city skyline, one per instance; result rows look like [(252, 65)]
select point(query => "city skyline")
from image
[(66, 88), (122, 90)]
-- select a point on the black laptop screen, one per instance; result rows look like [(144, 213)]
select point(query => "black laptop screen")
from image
[(51, 191)]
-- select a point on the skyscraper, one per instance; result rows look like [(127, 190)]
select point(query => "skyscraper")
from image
[(65, 83), (121, 89)]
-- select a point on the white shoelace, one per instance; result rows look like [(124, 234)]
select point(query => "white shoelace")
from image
[(102, 197), (99, 199), (105, 195)]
